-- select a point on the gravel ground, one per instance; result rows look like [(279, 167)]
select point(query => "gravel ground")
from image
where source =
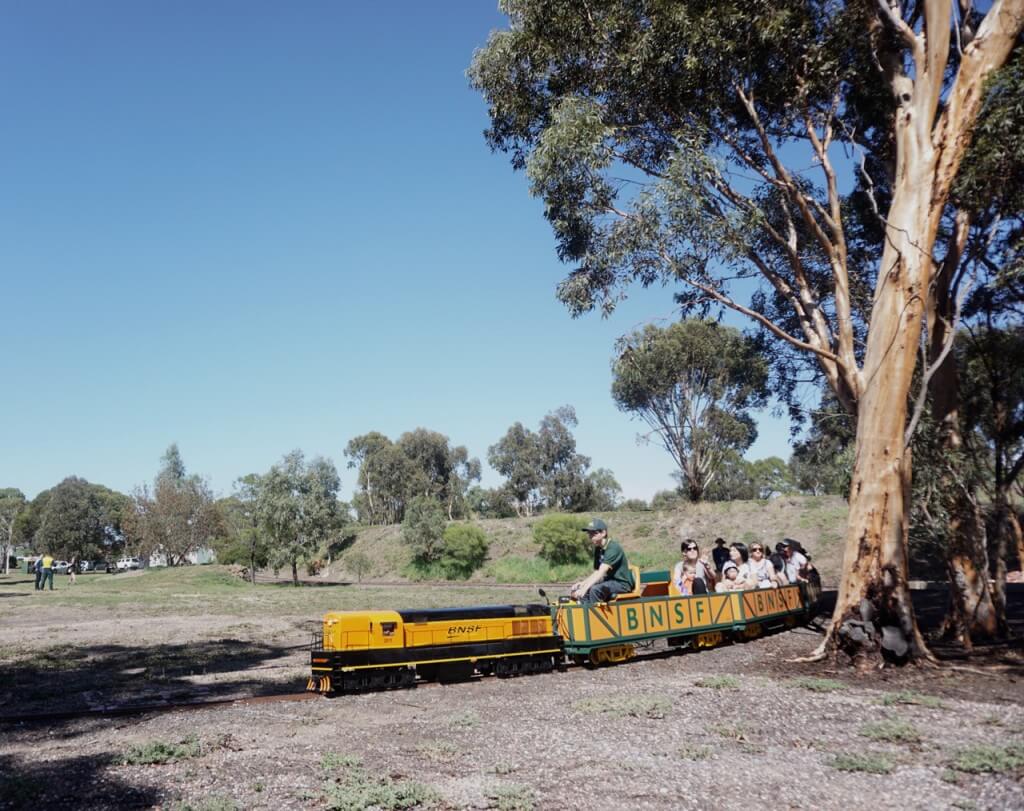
[(729, 728)]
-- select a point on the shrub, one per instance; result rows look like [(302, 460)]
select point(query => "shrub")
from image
[(561, 538), (642, 531), (423, 529), (158, 752), (869, 762), (358, 563), (465, 550), (719, 683), (639, 706), (636, 505), (986, 759), (891, 732)]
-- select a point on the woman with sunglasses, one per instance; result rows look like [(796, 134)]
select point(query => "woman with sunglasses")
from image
[(762, 572), (703, 572)]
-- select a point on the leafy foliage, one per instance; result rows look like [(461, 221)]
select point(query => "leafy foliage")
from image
[(76, 519), (561, 538), (420, 463), (297, 506), (464, 551), (694, 384), (423, 529)]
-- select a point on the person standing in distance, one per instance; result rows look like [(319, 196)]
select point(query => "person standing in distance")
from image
[(611, 573)]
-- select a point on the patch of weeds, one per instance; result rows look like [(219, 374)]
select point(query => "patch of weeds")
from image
[(720, 683), (734, 732), (438, 750), (895, 731), (332, 760), (632, 706), (158, 752), (966, 805), (987, 759), (992, 721), (215, 803), (358, 790), (503, 768), (511, 797), (816, 685), (693, 751), (869, 762), (642, 531), (464, 720), (910, 697), (949, 776)]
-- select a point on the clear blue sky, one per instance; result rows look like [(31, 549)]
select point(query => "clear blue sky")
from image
[(248, 227)]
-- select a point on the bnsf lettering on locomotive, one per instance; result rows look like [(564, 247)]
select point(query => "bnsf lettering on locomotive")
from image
[(455, 630)]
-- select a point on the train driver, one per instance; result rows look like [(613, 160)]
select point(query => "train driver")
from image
[(611, 573)]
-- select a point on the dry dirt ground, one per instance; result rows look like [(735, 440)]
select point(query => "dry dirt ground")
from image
[(732, 727)]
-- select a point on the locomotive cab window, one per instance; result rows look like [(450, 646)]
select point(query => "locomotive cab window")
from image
[(388, 628)]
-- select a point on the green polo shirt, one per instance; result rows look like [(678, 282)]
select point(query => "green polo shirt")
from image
[(613, 555)]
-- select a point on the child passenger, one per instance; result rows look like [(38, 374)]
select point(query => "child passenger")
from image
[(730, 579), (690, 584)]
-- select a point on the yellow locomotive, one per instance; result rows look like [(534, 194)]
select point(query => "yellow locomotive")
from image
[(367, 650)]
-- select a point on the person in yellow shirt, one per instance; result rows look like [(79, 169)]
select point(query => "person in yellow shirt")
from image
[(47, 571)]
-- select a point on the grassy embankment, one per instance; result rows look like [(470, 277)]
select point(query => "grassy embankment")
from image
[(651, 539)]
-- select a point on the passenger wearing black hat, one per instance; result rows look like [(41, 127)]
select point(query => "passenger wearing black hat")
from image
[(796, 561), (611, 573)]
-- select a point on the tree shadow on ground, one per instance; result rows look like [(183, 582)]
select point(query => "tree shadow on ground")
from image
[(66, 680), (78, 782), (26, 581)]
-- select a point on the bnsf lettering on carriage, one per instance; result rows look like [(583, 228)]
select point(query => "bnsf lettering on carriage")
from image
[(455, 630)]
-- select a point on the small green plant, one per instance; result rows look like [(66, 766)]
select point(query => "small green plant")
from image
[(816, 685), (159, 752), (358, 790), (910, 697), (693, 751), (894, 731), (965, 805), (869, 762), (719, 683), (464, 720), (642, 530), (332, 760), (504, 768), (633, 706), (949, 776), (511, 797), (988, 759), (437, 750), (215, 803)]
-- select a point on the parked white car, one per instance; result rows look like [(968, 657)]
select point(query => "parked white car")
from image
[(128, 563)]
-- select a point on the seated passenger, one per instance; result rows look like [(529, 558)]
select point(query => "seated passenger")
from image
[(730, 579), (691, 555), (779, 565), (762, 573), (611, 573), (690, 583), (740, 557), (796, 562)]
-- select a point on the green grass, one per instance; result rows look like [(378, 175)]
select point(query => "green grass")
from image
[(332, 761), (517, 569), (816, 685), (869, 762), (511, 797), (910, 697), (893, 731), (438, 750), (643, 706), (358, 790), (989, 759), (719, 683), (160, 752)]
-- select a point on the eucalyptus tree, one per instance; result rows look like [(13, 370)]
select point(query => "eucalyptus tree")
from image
[(297, 506), (12, 502), (670, 141), (694, 383)]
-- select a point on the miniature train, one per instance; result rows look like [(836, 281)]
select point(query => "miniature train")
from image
[(372, 650)]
